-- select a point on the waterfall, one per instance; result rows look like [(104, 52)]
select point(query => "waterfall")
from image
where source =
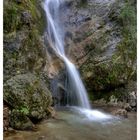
[(56, 40)]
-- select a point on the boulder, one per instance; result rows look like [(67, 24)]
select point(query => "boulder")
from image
[(127, 107), (52, 112), (27, 93), (132, 99), (120, 112), (113, 101), (101, 101)]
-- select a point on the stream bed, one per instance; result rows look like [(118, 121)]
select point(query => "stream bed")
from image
[(71, 124)]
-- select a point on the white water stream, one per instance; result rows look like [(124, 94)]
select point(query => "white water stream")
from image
[(56, 40), (56, 37)]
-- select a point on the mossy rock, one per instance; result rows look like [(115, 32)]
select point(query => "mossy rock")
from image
[(24, 49), (24, 14), (28, 94), (19, 121), (23, 52), (107, 75)]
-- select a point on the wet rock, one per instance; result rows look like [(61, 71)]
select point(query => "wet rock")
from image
[(120, 112), (132, 99), (52, 112), (127, 107), (11, 130), (56, 101), (59, 89)]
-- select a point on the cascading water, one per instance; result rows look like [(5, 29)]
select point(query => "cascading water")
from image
[(56, 39)]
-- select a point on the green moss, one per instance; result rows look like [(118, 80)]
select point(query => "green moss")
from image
[(105, 76), (82, 4), (13, 13), (20, 121), (11, 18), (127, 47), (91, 96), (127, 20), (120, 69), (23, 110)]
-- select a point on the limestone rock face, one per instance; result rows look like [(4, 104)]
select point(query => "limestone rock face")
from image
[(101, 41)]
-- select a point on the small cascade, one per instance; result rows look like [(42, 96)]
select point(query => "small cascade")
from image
[(56, 36)]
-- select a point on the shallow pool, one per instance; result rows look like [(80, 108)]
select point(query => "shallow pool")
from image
[(78, 124)]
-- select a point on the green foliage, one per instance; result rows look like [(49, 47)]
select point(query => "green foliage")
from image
[(125, 59), (91, 96), (13, 15), (127, 20), (82, 3), (11, 18), (127, 47)]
